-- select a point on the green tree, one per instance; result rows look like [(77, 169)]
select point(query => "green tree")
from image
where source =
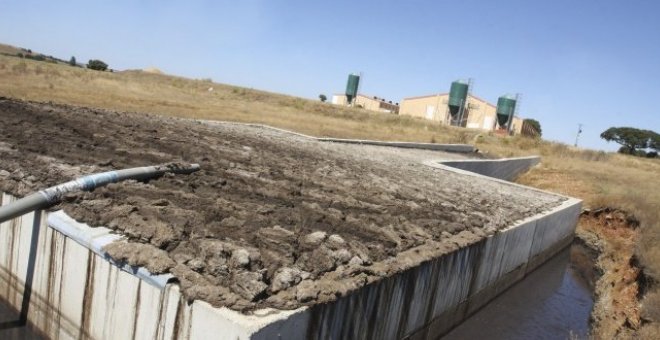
[(323, 97), (631, 139), (95, 64), (655, 142), (72, 61), (535, 124)]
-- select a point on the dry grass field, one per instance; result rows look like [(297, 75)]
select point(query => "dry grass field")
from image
[(600, 179), (175, 96), (8, 49)]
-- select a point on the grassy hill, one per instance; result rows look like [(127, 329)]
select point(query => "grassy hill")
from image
[(599, 178), (10, 50)]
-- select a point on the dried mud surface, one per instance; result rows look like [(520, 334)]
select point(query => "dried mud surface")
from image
[(272, 219)]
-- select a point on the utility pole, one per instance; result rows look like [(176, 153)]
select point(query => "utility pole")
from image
[(577, 137)]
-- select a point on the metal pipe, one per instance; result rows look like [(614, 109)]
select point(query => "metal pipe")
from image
[(52, 195)]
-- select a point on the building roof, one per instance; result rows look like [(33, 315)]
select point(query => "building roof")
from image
[(379, 99), (430, 95), (445, 94)]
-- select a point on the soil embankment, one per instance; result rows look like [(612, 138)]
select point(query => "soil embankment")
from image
[(613, 234), (272, 220)]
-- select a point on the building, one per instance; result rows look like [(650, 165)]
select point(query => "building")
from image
[(371, 103), (479, 114)]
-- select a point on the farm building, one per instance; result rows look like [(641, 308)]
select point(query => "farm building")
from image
[(478, 113), (372, 103)]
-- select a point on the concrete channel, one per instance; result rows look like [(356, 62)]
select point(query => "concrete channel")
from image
[(55, 271)]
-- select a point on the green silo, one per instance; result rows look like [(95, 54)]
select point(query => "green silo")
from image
[(506, 106), (457, 96), (352, 87)]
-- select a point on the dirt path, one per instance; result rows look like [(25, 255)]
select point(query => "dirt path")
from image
[(271, 220)]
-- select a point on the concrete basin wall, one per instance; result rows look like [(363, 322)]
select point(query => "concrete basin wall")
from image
[(428, 300), (77, 292), (68, 291), (506, 168), (456, 148), (55, 272)]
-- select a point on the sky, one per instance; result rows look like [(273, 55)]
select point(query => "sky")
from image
[(594, 62)]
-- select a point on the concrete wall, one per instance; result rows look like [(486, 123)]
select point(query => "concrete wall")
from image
[(481, 114), (75, 291), (429, 299), (432, 107), (506, 169), (457, 148)]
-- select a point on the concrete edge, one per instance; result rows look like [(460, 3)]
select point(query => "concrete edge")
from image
[(502, 168), (496, 160), (456, 148), (95, 239), (569, 202), (440, 164), (248, 324)]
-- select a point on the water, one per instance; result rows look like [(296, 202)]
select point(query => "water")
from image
[(552, 302)]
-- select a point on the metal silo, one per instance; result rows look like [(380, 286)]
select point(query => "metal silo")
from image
[(457, 96), (506, 107), (352, 87)]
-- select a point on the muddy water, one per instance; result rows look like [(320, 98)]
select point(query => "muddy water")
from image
[(552, 302)]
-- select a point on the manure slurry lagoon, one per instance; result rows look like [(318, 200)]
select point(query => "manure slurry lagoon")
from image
[(272, 219)]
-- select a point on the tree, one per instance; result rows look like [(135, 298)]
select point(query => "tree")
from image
[(95, 64), (631, 139), (72, 61), (535, 124), (655, 143), (323, 97)]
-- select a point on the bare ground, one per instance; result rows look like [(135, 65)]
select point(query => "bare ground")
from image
[(272, 220), (613, 233)]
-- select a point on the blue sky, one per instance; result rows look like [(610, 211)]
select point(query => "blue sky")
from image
[(591, 62)]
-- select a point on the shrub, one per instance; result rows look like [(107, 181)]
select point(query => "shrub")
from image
[(39, 57), (98, 65), (535, 124)]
